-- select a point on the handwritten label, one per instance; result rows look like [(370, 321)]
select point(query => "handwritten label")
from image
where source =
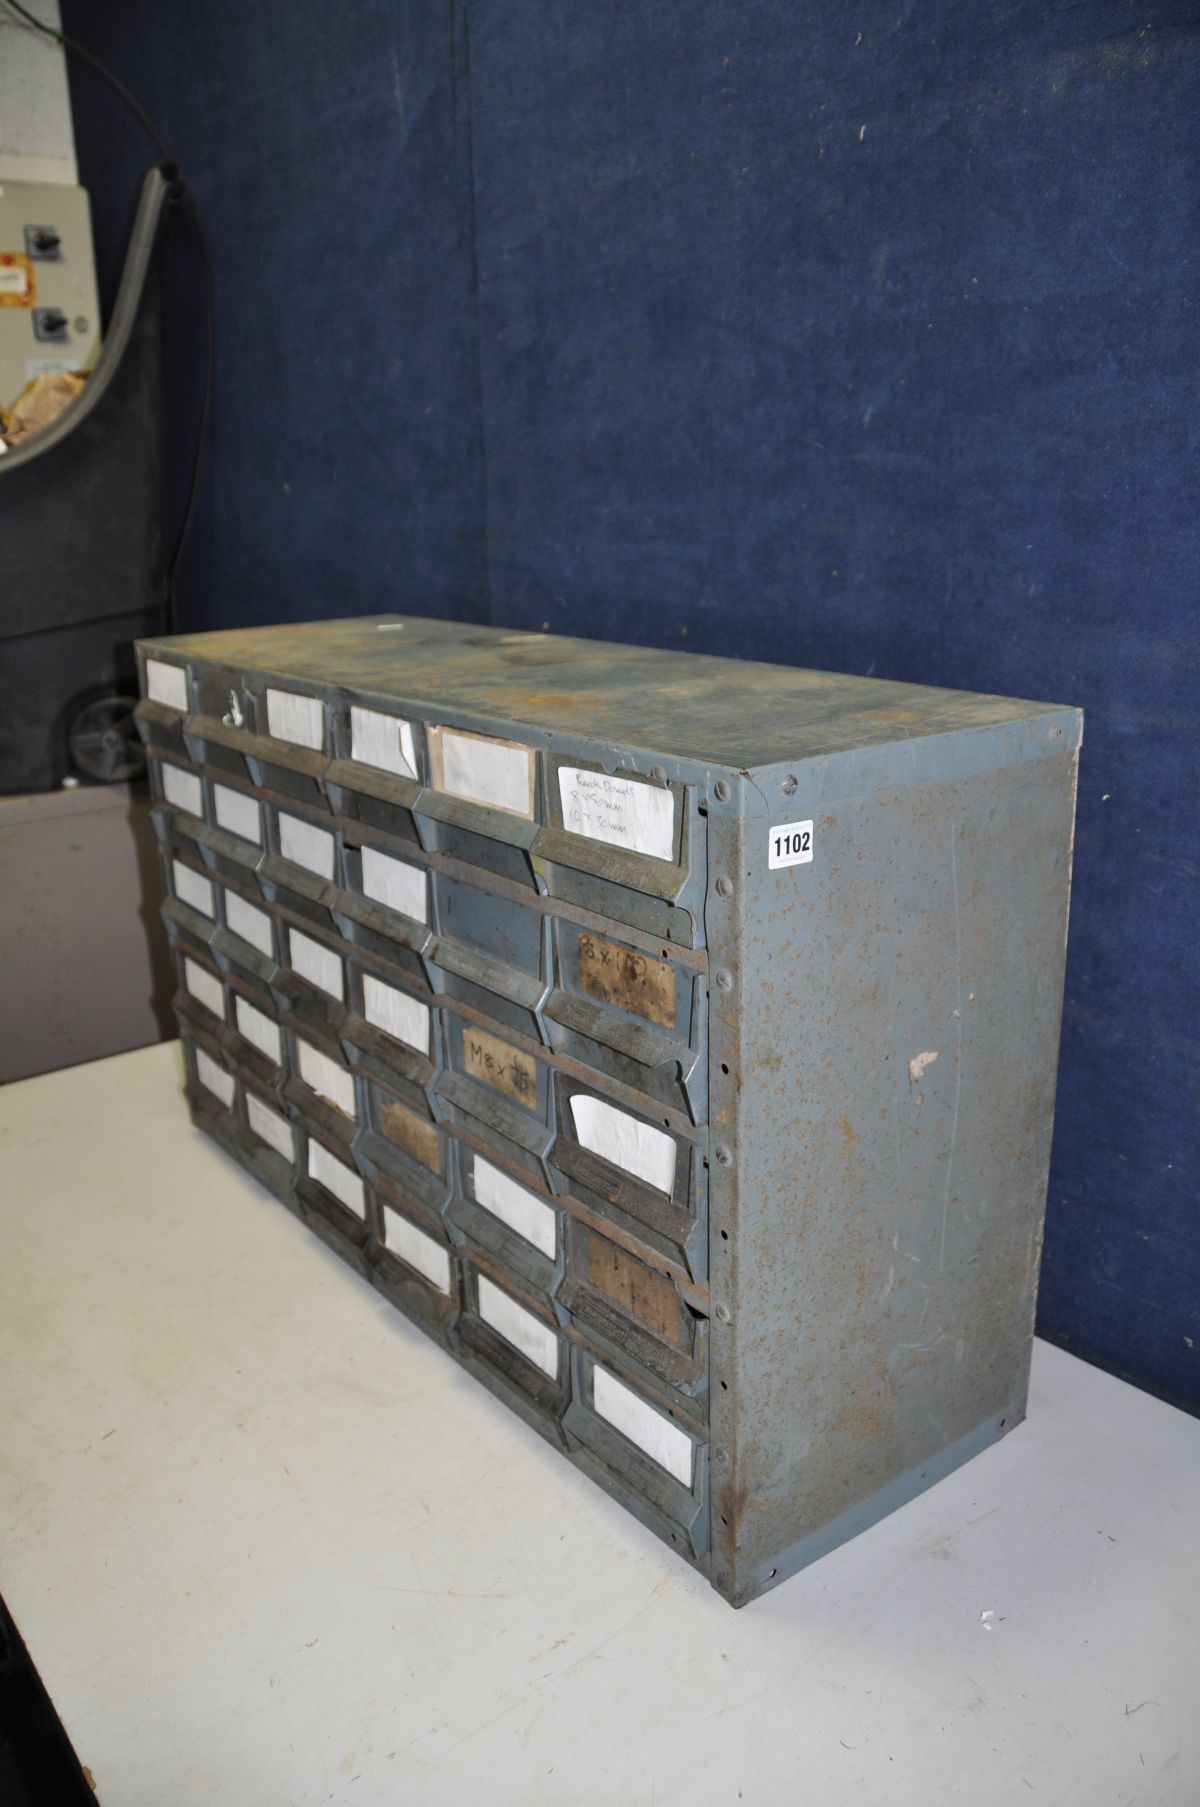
[(506, 1070), (622, 811), (620, 975), (648, 1298), (413, 1134)]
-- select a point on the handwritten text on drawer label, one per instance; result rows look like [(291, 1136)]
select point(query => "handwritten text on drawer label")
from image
[(624, 812), (620, 975)]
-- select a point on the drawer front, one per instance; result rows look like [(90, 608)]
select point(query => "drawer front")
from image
[(644, 1175), (445, 993), (512, 1340), (618, 1299), (641, 1449), (639, 1017)]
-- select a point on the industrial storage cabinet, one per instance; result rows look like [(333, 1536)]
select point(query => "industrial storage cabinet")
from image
[(672, 1038)]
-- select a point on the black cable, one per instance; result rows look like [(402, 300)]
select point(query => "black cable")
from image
[(114, 82), (172, 170)]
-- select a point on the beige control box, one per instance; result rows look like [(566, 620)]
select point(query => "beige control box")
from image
[(49, 307)]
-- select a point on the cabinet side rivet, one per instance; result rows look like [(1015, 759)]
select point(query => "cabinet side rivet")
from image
[(724, 1155), (724, 887), (724, 980), (789, 785), (722, 790), (721, 1313)]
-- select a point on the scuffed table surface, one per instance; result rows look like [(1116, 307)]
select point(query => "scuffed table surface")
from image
[(266, 1544)]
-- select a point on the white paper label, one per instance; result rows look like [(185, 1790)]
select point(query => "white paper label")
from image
[(259, 1030), (530, 1216), (417, 1249), (204, 988), (269, 1126), (336, 1177), (213, 1078), (401, 887), (487, 771), (383, 741), (790, 845), (237, 813), (327, 1079), (166, 683), (306, 846), (36, 367), (183, 790), (300, 719), (14, 279), (319, 965), (624, 812), (398, 1015), (535, 1340), (653, 1434), (191, 888), (251, 923), (626, 1141)]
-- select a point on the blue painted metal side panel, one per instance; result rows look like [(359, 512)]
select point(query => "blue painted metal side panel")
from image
[(890, 1023)]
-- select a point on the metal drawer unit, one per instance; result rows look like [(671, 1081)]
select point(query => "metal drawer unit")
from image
[(673, 1039)]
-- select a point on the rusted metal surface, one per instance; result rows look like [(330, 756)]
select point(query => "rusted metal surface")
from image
[(894, 1043), (804, 1249), (721, 712)]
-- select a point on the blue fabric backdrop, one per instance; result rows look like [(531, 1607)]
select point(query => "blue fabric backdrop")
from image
[(857, 337)]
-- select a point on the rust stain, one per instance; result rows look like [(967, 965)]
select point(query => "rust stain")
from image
[(888, 717), (534, 700)]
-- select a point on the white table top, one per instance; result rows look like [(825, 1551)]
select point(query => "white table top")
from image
[(267, 1544)]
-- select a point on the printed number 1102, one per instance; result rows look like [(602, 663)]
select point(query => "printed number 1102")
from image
[(790, 845)]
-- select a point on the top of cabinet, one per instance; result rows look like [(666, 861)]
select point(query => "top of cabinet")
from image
[(724, 712)]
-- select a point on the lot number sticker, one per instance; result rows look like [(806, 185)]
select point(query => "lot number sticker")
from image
[(791, 845)]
